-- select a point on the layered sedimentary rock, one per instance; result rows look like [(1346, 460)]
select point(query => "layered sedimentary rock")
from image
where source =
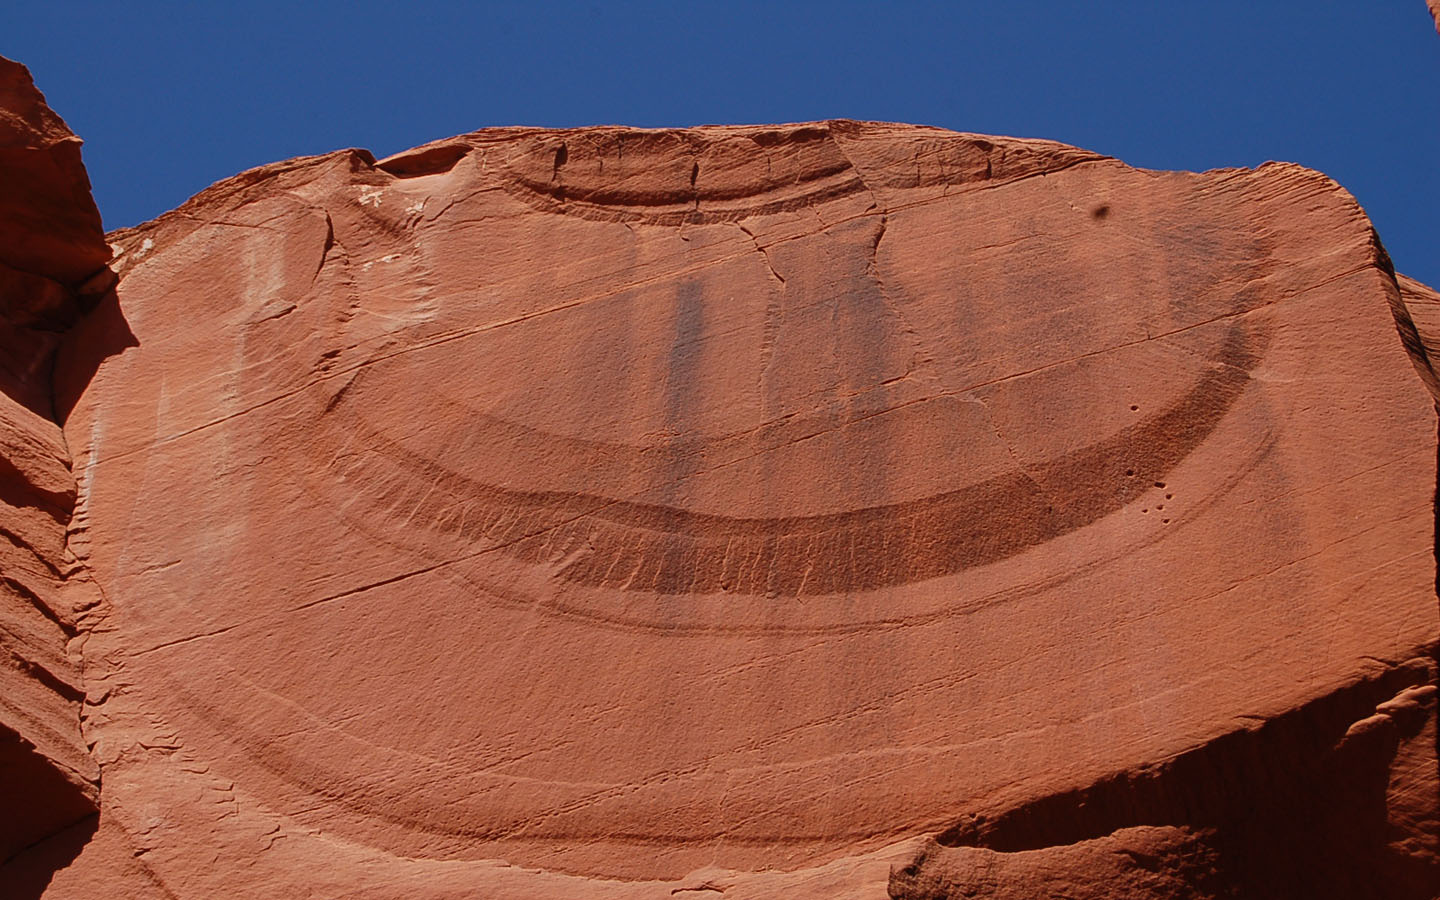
[(50, 244), (832, 510), (839, 508)]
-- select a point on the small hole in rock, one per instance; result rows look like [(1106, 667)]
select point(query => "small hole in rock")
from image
[(1101, 211), (1129, 473), (1134, 408)]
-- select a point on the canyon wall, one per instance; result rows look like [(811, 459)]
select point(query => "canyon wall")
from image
[(52, 262), (841, 509)]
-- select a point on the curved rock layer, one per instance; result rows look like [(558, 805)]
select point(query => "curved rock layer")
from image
[(832, 510), (730, 509)]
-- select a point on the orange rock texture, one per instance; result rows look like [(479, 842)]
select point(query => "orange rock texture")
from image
[(829, 510), (50, 243)]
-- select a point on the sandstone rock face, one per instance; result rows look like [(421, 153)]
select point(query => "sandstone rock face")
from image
[(831, 510), (52, 228), (670, 506), (50, 240)]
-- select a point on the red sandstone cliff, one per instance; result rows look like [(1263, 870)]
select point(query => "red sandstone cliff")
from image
[(50, 244), (835, 510)]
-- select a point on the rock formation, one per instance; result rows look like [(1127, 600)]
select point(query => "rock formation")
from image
[(833, 510), (50, 245)]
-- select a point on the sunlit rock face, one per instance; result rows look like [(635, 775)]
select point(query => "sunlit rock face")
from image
[(836, 510)]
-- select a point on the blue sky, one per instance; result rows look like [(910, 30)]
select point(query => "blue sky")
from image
[(171, 97)]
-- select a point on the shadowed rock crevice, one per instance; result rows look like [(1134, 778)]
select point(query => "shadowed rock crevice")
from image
[(29, 872), (1298, 805), (431, 160)]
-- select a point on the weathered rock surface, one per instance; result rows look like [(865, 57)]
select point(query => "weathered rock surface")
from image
[(1418, 317), (50, 241), (832, 510), (51, 225)]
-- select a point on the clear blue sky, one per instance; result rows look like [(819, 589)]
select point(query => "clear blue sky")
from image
[(173, 96)]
